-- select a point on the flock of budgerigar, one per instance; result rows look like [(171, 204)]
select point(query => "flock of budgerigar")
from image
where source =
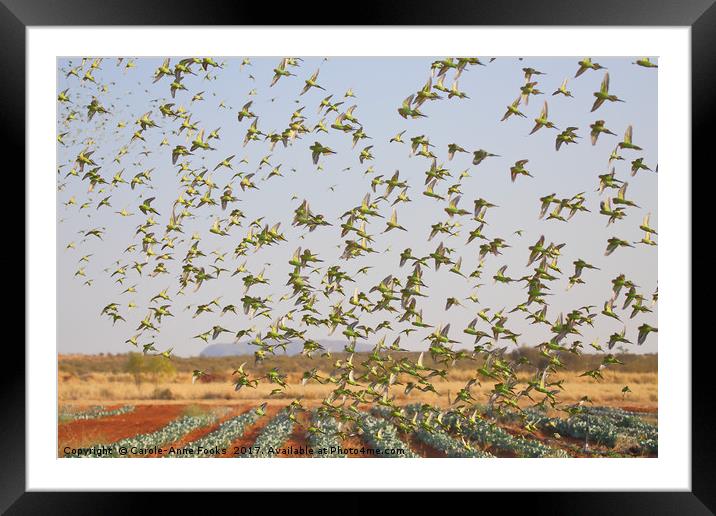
[(201, 242)]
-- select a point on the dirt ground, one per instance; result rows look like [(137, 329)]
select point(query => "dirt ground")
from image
[(143, 419)]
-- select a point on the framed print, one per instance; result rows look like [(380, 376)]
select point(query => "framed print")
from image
[(450, 237)]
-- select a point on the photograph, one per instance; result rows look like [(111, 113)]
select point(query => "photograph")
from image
[(437, 233), (357, 257)]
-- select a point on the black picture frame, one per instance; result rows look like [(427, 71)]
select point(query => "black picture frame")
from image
[(700, 15)]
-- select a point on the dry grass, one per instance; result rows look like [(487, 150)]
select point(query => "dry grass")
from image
[(120, 388), (87, 379)]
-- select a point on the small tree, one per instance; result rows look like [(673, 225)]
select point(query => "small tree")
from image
[(160, 368), (135, 366)]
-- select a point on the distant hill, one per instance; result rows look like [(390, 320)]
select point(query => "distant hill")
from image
[(292, 348), (116, 363)]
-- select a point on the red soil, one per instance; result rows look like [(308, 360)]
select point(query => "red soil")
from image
[(144, 419), (419, 447), (649, 410)]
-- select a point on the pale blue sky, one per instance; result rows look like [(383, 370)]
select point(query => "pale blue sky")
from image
[(380, 85)]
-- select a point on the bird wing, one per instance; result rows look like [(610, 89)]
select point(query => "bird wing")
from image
[(627, 135)]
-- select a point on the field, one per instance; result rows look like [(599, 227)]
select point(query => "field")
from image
[(162, 413)]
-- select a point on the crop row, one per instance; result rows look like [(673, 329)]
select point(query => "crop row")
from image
[(451, 447), (325, 435), (613, 411), (168, 434), (382, 436), (601, 425), (591, 428), (222, 437), (632, 426), (276, 433), (96, 412), (435, 437), (488, 434)]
